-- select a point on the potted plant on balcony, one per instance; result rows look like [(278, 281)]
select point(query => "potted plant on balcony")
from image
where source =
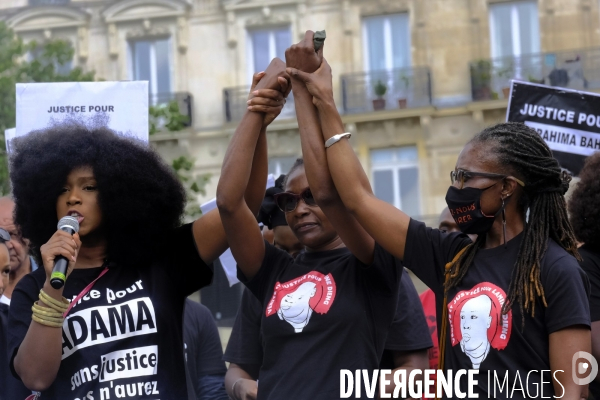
[(481, 79), (505, 75), (380, 89), (402, 101)]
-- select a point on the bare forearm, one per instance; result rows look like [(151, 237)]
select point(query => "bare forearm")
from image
[(238, 380), (345, 168), (237, 165), (313, 150), (255, 191), (39, 356)]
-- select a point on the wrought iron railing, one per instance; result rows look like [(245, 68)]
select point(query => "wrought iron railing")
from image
[(235, 104), (47, 2), (573, 69), (386, 90), (183, 99)]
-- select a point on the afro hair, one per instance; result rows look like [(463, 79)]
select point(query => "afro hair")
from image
[(140, 196), (584, 205)]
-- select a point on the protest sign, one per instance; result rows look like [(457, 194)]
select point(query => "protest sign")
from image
[(120, 106), (567, 120)]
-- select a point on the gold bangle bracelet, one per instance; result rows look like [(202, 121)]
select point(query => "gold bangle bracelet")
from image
[(60, 306), (46, 323), (50, 319), (47, 312)]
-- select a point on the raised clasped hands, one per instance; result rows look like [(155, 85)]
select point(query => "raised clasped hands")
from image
[(305, 66), (269, 91)]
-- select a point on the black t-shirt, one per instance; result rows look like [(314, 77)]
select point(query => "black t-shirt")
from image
[(10, 387), (324, 311), (591, 266), (479, 337), (203, 351), (124, 339), (408, 331)]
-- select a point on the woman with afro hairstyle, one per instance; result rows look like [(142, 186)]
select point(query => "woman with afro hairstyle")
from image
[(584, 209), (122, 338), (513, 304)]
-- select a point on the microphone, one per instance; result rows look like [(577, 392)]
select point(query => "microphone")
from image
[(59, 272)]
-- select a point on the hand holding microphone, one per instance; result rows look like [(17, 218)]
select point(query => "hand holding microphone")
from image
[(60, 252)]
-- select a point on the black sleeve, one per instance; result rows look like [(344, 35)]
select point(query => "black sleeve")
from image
[(384, 273), (566, 288), (245, 343), (274, 262), (187, 270), (25, 294), (428, 250), (209, 357), (591, 266), (409, 330)]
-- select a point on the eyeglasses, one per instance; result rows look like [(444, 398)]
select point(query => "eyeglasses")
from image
[(461, 174), (287, 202), (4, 235)]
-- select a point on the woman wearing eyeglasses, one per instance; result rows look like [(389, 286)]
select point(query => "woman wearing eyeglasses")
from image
[(513, 304), (329, 308)]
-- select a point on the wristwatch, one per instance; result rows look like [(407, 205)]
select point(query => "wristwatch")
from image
[(336, 138)]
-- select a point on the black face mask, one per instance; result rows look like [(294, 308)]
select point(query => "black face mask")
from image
[(465, 207)]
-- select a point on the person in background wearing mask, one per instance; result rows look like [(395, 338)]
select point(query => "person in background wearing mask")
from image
[(509, 190), (20, 262)]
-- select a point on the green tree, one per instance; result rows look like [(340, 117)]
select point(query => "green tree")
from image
[(46, 64), (194, 185)]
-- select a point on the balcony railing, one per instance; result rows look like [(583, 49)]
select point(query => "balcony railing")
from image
[(166, 100), (386, 90), (47, 2), (235, 105), (573, 69)]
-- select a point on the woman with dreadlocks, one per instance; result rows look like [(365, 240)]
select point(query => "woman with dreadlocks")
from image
[(513, 304)]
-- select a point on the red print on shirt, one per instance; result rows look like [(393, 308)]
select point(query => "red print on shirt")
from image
[(294, 301), (477, 323)]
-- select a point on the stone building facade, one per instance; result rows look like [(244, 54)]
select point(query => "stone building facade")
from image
[(441, 63)]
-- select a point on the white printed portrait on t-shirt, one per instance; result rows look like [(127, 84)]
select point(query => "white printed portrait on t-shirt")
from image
[(296, 300), (295, 307), (475, 320)]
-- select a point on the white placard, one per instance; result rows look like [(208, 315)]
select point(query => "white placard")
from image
[(120, 106), (9, 134)]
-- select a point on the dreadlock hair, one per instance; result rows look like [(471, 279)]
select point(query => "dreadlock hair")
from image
[(583, 205), (522, 153), (140, 196)]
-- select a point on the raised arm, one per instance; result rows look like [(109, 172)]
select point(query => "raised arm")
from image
[(209, 233), (383, 222), (358, 241), (242, 231)]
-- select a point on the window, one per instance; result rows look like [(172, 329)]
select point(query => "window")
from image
[(150, 62), (266, 44), (396, 178), (38, 54), (281, 165), (387, 42), (514, 28)]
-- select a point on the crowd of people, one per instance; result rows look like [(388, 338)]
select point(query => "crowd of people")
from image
[(509, 267)]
